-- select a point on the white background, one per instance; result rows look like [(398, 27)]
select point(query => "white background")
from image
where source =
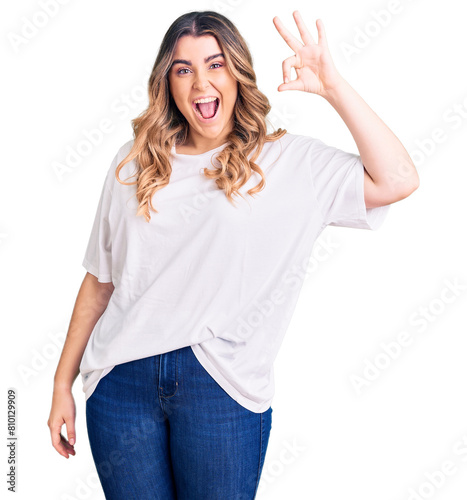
[(90, 62)]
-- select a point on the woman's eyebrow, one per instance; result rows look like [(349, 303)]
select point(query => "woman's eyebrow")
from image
[(188, 63)]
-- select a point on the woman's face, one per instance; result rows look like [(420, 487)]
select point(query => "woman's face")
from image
[(199, 71)]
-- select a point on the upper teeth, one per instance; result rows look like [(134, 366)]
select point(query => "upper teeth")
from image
[(208, 99)]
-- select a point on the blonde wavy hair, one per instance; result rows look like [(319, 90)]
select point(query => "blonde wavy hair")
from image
[(162, 125)]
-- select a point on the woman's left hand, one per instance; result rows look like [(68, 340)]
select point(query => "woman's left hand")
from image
[(315, 68)]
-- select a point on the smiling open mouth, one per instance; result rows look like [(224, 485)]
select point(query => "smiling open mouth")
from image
[(207, 110)]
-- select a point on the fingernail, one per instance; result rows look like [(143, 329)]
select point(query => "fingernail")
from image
[(286, 80), (72, 441)]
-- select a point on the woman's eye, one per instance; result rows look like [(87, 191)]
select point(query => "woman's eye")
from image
[(179, 72)]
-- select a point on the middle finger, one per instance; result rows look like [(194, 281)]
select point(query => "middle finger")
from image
[(304, 32)]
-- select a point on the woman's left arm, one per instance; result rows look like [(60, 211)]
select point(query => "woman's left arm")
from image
[(390, 174)]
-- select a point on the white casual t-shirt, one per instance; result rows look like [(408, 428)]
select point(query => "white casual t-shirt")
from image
[(224, 280)]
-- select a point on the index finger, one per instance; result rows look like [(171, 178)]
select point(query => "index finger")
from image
[(291, 41), (59, 442), (304, 33)]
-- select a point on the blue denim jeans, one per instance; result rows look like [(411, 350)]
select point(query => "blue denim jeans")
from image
[(161, 427)]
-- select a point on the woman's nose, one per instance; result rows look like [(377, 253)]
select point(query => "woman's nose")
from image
[(201, 81)]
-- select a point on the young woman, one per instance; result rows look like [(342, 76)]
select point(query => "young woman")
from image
[(194, 267)]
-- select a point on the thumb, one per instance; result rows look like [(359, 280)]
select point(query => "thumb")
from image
[(70, 429), (293, 85)]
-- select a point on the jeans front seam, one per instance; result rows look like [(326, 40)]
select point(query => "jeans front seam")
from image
[(158, 359), (260, 452), (177, 352)]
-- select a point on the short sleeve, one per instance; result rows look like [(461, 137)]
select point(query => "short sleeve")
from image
[(338, 179), (98, 256)]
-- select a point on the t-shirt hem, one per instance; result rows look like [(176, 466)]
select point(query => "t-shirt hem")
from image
[(228, 388), (364, 218), (92, 269), (100, 373), (372, 218)]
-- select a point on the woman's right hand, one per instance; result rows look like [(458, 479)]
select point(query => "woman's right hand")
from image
[(63, 412), (93, 298)]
